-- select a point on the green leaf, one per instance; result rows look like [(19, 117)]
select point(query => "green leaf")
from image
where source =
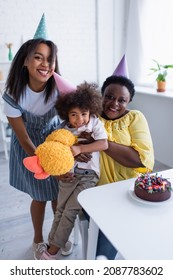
[(161, 77), (168, 66), (160, 68)]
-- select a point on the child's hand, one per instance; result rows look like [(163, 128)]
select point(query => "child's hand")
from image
[(76, 150)]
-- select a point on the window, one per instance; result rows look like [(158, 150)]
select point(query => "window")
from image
[(149, 29)]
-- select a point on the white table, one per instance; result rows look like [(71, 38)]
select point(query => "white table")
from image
[(137, 229)]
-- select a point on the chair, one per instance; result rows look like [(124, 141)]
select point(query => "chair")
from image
[(4, 126), (81, 226)]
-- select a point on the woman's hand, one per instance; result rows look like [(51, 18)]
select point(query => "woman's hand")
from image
[(66, 178), (84, 157), (86, 138)]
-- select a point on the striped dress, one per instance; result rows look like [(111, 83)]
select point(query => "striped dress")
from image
[(38, 127)]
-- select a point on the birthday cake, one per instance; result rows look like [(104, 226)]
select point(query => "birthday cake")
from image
[(152, 188)]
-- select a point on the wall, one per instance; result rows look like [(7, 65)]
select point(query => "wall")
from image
[(91, 38), (87, 33), (69, 25), (157, 108), (111, 32)]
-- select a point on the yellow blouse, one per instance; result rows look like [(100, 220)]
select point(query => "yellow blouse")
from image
[(130, 130)]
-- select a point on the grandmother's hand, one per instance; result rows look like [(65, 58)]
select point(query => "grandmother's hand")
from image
[(66, 178), (83, 157), (86, 138)]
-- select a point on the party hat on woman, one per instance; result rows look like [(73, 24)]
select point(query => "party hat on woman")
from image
[(63, 85), (122, 68), (41, 31)]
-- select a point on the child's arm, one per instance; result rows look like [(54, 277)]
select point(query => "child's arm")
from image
[(96, 146)]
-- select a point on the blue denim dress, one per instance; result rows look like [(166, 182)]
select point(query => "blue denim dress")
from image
[(38, 127)]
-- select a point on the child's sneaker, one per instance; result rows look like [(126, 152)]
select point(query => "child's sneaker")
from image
[(68, 249), (46, 256), (38, 249)]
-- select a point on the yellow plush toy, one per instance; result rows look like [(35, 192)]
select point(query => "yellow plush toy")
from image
[(54, 156)]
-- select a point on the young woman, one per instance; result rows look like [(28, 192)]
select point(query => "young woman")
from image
[(30, 98)]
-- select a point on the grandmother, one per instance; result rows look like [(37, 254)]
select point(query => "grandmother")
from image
[(130, 148)]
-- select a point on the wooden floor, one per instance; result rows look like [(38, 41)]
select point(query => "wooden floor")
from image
[(16, 233)]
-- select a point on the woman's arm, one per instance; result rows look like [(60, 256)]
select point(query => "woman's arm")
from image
[(124, 155), (98, 145), (19, 128), (139, 150)]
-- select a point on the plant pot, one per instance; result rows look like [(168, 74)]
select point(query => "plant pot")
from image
[(161, 86)]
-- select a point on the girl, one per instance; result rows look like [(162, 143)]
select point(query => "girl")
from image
[(30, 98)]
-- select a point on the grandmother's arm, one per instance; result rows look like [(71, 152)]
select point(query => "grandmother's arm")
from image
[(124, 155), (140, 148)]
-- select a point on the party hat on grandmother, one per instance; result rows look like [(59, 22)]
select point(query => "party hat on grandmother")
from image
[(122, 68), (41, 31), (63, 85)]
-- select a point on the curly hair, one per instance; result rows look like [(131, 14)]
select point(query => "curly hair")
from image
[(120, 80), (86, 97)]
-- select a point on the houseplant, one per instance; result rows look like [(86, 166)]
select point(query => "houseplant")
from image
[(161, 71)]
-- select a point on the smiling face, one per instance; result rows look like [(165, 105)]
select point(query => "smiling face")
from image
[(39, 67), (78, 118), (115, 100)]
